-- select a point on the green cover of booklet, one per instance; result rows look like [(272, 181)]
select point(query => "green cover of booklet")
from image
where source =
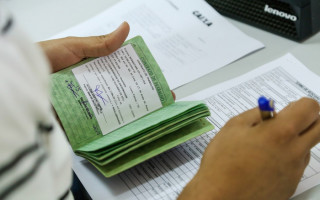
[(118, 110)]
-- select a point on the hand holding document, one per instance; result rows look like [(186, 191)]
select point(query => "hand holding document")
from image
[(118, 110), (187, 37)]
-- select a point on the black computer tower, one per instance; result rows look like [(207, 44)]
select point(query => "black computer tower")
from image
[(293, 19)]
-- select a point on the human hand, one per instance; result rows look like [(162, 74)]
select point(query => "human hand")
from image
[(254, 159), (70, 50)]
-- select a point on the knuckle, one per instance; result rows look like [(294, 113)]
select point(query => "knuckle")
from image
[(71, 39), (107, 46), (307, 158), (234, 121), (306, 99), (284, 134), (103, 40), (313, 104), (297, 153), (102, 37), (300, 152), (288, 129)]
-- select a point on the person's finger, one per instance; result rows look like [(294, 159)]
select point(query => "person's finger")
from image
[(307, 158), (97, 46), (298, 116), (311, 136), (250, 117), (173, 95)]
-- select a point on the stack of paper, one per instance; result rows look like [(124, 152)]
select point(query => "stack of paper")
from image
[(178, 122), (187, 37)]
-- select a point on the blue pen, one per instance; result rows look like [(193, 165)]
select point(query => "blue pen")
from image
[(266, 107)]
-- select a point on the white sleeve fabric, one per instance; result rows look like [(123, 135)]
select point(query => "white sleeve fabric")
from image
[(35, 162)]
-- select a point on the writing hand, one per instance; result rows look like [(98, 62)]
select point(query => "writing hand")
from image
[(70, 50), (254, 159)]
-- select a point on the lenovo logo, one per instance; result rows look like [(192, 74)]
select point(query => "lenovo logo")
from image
[(281, 14)]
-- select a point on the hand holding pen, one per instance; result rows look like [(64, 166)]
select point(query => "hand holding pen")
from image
[(266, 156)]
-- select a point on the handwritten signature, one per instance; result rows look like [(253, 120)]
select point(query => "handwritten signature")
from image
[(99, 93), (74, 89)]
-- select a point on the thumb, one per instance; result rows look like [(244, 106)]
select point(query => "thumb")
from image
[(96, 46)]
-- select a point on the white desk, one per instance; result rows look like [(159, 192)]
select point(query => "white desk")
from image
[(44, 18)]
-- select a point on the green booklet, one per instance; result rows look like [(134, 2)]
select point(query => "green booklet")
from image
[(118, 110)]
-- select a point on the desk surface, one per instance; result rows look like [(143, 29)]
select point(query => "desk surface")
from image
[(44, 18)]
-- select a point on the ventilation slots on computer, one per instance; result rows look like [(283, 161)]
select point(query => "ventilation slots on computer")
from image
[(293, 19)]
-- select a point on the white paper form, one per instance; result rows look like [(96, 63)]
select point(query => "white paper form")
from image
[(117, 85), (187, 37), (164, 176)]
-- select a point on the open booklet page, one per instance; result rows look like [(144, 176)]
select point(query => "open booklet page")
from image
[(184, 36), (98, 96), (118, 86), (164, 176)]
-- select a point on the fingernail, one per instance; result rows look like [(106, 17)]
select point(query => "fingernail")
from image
[(121, 25), (117, 29)]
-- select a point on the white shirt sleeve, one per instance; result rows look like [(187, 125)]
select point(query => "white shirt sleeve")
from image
[(35, 161)]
